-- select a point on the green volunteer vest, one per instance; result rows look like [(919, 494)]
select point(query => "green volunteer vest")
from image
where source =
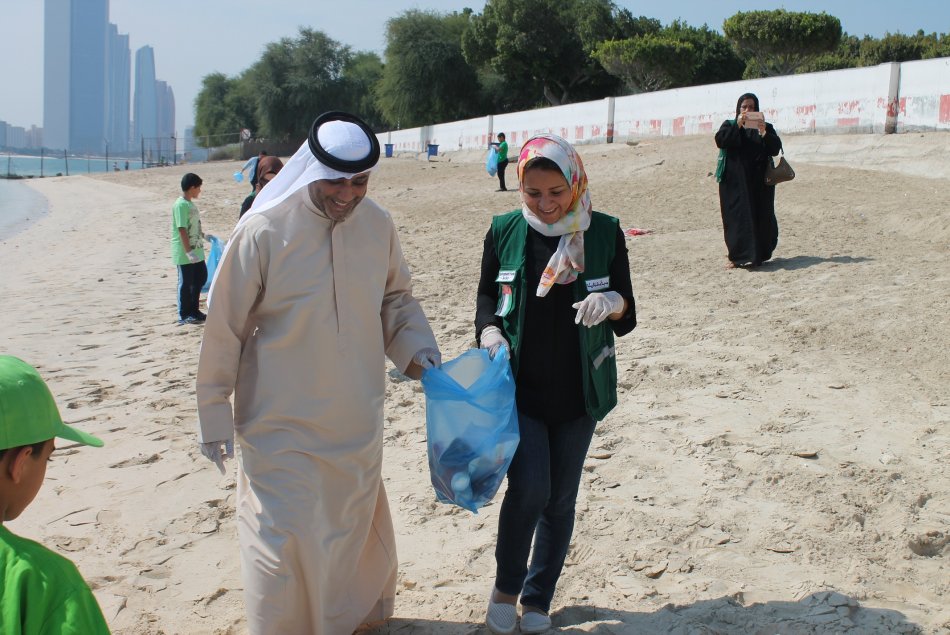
[(599, 362)]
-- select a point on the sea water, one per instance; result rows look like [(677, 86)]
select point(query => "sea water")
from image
[(28, 166), (19, 206)]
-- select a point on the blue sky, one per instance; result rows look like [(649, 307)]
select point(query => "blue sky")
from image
[(193, 38)]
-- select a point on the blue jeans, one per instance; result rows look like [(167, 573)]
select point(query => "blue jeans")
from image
[(543, 479)]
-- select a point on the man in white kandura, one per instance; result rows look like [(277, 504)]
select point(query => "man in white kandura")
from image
[(311, 293)]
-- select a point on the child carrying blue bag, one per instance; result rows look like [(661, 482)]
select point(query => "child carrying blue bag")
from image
[(472, 427)]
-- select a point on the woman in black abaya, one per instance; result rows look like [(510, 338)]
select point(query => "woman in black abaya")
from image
[(746, 145)]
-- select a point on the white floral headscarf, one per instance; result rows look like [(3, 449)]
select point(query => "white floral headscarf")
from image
[(568, 259)]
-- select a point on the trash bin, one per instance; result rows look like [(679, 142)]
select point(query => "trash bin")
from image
[(433, 150), (389, 150)]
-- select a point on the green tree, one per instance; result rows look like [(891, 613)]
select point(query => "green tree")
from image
[(716, 60), (361, 76), (937, 45), (853, 52), (426, 78), (648, 62), (297, 79), (543, 47), (223, 107), (671, 57), (846, 55), (895, 47), (781, 42), (628, 26)]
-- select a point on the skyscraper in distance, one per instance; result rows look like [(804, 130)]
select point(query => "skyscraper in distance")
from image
[(89, 87), (166, 109), (145, 111), (79, 92), (120, 81), (57, 41)]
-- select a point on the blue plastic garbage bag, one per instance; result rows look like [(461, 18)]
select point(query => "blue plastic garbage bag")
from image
[(214, 255), (491, 163), (471, 425)]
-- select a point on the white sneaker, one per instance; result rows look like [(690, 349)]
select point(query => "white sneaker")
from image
[(532, 622), (501, 618)]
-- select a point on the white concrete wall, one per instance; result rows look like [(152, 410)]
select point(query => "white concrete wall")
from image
[(461, 135), (455, 135), (408, 140), (585, 122), (924, 95), (878, 99), (852, 100)]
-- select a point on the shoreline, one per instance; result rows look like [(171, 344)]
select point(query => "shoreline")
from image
[(776, 462), (19, 208)]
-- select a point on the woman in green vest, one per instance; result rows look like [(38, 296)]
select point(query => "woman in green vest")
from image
[(554, 290)]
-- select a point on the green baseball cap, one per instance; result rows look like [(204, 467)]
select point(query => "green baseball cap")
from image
[(28, 413)]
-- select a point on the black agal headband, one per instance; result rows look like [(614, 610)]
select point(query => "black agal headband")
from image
[(342, 165)]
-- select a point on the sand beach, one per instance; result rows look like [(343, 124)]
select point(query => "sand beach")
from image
[(779, 461)]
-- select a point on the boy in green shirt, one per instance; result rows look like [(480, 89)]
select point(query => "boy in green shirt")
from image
[(188, 250), (41, 592), (502, 160)]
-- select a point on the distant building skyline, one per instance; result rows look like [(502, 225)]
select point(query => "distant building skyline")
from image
[(88, 102)]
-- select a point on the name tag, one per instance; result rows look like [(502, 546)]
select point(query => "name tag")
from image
[(506, 276), (598, 284)]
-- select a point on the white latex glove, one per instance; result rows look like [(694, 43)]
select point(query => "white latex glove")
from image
[(218, 451), (192, 256), (595, 308), (493, 340), (428, 358)]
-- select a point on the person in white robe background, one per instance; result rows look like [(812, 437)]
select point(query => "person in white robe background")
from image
[(311, 293)]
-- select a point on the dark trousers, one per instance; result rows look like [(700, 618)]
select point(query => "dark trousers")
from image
[(501, 174), (543, 480), (191, 278)]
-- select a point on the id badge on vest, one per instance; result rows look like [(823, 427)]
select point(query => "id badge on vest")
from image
[(506, 297)]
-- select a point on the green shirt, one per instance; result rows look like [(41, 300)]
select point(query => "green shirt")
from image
[(42, 592), (502, 151), (185, 214)]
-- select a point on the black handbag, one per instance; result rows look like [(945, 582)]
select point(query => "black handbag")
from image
[(778, 173)]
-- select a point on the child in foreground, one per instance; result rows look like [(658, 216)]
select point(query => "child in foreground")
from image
[(40, 591)]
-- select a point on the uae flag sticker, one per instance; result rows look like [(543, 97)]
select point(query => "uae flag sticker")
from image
[(505, 302)]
